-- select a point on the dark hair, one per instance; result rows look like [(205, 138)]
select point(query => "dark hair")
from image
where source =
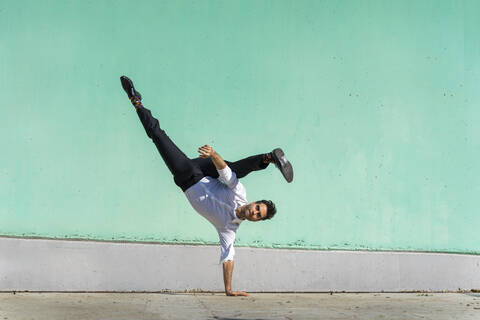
[(271, 210)]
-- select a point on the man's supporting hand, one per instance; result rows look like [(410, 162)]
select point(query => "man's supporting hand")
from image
[(237, 294), (207, 152), (227, 279)]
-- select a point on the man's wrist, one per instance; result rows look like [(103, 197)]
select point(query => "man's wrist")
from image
[(218, 161)]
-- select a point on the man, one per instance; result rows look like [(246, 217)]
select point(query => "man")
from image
[(211, 184)]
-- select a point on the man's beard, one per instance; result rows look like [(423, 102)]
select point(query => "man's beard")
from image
[(244, 211)]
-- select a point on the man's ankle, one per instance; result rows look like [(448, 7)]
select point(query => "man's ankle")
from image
[(267, 158), (137, 103)]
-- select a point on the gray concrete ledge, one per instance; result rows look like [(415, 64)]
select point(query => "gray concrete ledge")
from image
[(61, 265)]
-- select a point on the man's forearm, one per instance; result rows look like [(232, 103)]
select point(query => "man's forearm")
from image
[(218, 161), (227, 279), (227, 276)]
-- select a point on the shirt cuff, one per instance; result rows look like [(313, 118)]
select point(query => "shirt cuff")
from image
[(225, 173)]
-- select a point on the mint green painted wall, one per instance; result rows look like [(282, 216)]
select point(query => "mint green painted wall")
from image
[(375, 103)]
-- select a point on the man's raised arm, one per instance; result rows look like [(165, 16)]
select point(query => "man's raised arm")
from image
[(226, 175), (207, 151)]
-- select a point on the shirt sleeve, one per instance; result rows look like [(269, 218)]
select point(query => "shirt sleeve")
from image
[(227, 251), (228, 177)]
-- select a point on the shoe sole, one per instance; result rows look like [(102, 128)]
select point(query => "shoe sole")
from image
[(127, 85), (283, 164)]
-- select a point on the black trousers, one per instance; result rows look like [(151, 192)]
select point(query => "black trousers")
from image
[(186, 172)]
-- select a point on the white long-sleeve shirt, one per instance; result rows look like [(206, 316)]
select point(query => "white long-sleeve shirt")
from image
[(216, 200)]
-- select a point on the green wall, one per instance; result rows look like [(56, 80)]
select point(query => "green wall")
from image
[(376, 103)]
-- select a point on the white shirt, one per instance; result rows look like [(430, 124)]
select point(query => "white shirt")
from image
[(216, 200)]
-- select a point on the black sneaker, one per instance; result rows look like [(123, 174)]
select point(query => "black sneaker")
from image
[(127, 85), (283, 164)]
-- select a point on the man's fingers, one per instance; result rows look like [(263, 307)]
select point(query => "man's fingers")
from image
[(204, 152), (205, 149)]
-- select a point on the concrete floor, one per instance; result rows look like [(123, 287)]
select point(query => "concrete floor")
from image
[(119, 306)]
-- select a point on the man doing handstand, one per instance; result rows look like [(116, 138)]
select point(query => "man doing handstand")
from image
[(211, 184)]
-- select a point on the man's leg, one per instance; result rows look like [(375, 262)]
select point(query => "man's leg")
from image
[(241, 167), (253, 163), (247, 165), (185, 172)]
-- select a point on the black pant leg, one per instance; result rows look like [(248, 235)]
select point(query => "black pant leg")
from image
[(185, 172), (241, 167), (247, 165), (207, 166)]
